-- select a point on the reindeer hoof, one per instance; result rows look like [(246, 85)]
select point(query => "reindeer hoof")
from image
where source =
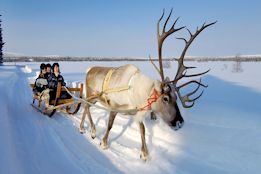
[(104, 145), (144, 156), (93, 134), (82, 131)]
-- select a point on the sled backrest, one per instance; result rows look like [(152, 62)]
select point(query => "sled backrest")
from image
[(60, 88)]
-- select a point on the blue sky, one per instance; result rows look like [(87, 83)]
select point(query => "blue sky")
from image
[(121, 28)]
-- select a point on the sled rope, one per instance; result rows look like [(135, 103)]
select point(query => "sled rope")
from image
[(106, 82), (124, 111), (155, 95), (106, 89), (153, 98)]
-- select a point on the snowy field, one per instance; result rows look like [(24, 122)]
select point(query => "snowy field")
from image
[(222, 132)]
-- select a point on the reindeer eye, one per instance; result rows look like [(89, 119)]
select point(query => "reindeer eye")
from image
[(166, 98)]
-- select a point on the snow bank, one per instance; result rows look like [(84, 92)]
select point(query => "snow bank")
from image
[(221, 133)]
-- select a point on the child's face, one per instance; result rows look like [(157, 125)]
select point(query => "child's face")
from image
[(56, 69), (43, 71), (48, 69)]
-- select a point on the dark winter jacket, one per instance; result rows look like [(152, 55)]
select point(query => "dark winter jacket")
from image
[(46, 75), (40, 84), (53, 81)]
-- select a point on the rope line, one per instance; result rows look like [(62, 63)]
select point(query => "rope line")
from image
[(124, 111)]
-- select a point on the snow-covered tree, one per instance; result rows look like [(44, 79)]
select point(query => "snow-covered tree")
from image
[(1, 43)]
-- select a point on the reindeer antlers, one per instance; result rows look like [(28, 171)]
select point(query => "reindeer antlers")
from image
[(181, 72), (161, 37), (181, 67)]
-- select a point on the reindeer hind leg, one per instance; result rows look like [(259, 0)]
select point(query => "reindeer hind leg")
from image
[(82, 129), (87, 112), (104, 142)]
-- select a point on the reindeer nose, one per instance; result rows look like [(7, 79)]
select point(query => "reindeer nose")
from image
[(176, 124)]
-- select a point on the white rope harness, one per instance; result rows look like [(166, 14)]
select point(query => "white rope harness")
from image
[(124, 111)]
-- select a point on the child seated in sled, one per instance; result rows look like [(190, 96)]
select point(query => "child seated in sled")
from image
[(41, 88), (48, 70), (53, 80)]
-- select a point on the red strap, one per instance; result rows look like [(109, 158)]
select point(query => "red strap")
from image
[(153, 98)]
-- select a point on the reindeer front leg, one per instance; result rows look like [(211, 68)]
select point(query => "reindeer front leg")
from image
[(87, 112), (82, 129), (144, 151), (104, 142)]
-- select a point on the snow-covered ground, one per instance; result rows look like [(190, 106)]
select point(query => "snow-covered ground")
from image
[(221, 132)]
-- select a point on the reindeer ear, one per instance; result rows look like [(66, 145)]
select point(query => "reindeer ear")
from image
[(166, 79), (166, 88)]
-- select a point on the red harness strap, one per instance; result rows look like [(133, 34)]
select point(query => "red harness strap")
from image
[(153, 98)]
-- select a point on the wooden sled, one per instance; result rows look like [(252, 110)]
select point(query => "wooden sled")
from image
[(70, 106)]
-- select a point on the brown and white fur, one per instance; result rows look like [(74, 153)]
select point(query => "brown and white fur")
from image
[(140, 89)]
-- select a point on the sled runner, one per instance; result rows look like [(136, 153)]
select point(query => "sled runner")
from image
[(70, 106)]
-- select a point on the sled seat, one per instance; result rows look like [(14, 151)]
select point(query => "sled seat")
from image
[(69, 105)]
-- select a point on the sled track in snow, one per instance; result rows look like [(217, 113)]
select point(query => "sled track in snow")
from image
[(213, 142)]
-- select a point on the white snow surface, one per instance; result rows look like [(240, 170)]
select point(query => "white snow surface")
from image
[(221, 132)]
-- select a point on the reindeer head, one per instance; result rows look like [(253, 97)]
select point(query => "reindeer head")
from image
[(167, 104)]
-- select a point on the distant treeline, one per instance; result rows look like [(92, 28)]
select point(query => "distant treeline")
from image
[(53, 59), (236, 59)]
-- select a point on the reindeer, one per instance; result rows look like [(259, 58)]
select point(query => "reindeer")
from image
[(126, 88)]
